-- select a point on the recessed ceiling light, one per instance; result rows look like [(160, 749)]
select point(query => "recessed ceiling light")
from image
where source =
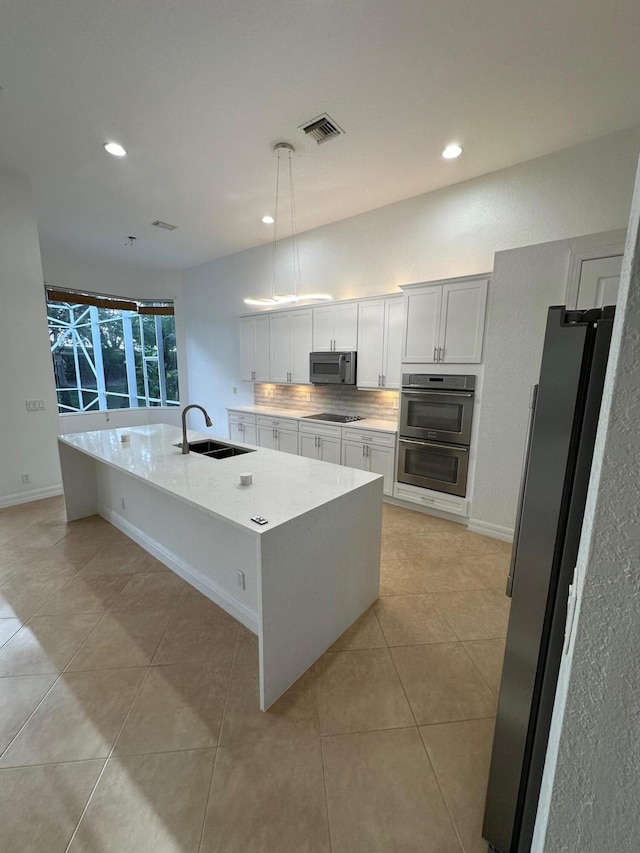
[(115, 149), (268, 220), (451, 152)]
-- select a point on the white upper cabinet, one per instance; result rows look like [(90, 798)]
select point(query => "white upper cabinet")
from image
[(444, 322), (290, 333), (254, 348), (422, 324), (301, 344), (462, 322), (335, 327), (379, 342)]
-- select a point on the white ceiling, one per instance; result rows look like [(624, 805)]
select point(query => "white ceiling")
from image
[(199, 90)]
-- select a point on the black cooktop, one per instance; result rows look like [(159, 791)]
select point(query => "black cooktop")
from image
[(339, 419)]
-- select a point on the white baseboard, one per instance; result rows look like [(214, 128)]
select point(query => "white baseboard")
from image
[(31, 495), (187, 572), (486, 528)]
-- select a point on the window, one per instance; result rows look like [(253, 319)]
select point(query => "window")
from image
[(111, 353)]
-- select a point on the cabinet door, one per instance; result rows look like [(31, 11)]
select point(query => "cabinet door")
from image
[(392, 343), (267, 438), (422, 319), (462, 323), (301, 344), (371, 322), (381, 461), (280, 339), (329, 449), (308, 445), (235, 433), (323, 327), (353, 454), (248, 433), (247, 348), (261, 364), (345, 333), (288, 441)]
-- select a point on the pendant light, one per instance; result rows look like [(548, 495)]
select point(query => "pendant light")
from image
[(283, 298)]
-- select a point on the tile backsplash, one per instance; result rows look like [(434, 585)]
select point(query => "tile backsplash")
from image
[(325, 398)]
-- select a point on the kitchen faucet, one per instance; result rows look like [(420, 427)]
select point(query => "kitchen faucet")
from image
[(185, 443)]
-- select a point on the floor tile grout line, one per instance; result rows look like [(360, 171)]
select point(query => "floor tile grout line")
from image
[(120, 730), (444, 799), (215, 757), (111, 757), (324, 777), (477, 668), (17, 734)]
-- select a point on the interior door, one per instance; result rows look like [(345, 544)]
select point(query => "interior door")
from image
[(599, 281)]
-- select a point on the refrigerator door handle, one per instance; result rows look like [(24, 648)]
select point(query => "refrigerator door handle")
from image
[(523, 483)]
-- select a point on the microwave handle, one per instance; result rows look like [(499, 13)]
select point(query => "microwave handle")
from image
[(523, 484), (341, 362)]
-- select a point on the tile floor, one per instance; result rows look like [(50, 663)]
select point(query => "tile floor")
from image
[(128, 703)]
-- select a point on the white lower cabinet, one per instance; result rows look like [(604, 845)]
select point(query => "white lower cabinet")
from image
[(278, 433), (242, 427), (373, 452), (321, 442)]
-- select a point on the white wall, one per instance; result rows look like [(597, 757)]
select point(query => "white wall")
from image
[(454, 231), (589, 798), (526, 282), (28, 438)]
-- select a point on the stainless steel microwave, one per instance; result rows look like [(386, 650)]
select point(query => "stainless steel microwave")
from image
[(332, 368)]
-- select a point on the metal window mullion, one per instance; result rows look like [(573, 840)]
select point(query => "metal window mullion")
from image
[(130, 359), (162, 379), (98, 364), (76, 362), (144, 364)]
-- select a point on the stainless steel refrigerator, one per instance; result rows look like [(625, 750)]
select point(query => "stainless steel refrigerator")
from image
[(564, 415)]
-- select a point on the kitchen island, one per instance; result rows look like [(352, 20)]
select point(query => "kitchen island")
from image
[(297, 582)]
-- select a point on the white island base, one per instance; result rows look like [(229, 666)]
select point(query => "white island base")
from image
[(308, 574)]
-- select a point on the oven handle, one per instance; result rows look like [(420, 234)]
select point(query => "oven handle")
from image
[(431, 444), (408, 390)]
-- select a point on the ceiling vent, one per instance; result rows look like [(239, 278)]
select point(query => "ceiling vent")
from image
[(322, 128), (166, 225)]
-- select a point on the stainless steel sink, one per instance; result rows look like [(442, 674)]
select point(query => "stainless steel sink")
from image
[(215, 449)]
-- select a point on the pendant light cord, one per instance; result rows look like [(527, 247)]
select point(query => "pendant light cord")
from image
[(275, 230), (295, 248)]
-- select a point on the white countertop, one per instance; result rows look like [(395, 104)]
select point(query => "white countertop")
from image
[(376, 424), (284, 486)]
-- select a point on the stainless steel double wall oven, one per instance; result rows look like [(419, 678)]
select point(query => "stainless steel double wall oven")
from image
[(436, 411)]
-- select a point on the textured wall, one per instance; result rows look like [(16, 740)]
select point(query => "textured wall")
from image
[(590, 795), (340, 401), (454, 231), (525, 283)]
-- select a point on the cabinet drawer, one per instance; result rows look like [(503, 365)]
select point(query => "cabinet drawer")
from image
[(385, 439), (319, 428), (277, 423), (241, 417), (429, 498)]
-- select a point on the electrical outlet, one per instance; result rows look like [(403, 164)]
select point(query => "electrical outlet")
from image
[(26, 478), (308, 398), (395, 404), (35, 405), (240, 578)]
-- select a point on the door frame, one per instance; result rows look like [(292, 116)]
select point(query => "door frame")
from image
[(591, 253)]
